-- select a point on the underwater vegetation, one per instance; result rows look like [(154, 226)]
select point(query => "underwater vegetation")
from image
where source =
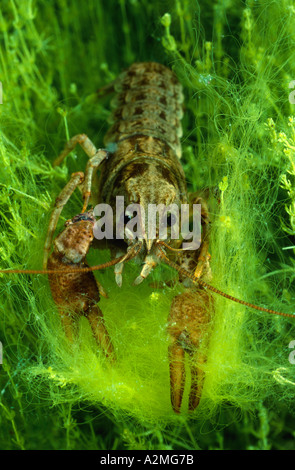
[(236, 62)]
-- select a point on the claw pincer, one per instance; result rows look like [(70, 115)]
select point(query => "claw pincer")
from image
[(77, 294), (188, 333)]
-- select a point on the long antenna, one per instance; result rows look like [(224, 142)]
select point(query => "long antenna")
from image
[(73, 269), (131, 255), (63, 271), (217, 291)]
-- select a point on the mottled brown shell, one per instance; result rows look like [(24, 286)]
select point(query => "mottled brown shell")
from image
[(148, 102), (144, 139)]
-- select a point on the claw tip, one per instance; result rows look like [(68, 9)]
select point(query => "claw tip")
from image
[(138, 280), (119, 280)]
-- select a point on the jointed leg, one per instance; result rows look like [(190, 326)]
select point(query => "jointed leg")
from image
[(61, 200), (97, 156), (203, 260), (91, 166), (118, 269), (80, 139), (204, 256)]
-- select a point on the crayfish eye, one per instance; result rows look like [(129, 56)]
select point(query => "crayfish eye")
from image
[(127, 218), (169, 219)]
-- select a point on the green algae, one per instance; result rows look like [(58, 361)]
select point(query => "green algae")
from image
[(236, 62)]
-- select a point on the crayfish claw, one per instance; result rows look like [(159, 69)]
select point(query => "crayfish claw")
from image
[(100, 333), (188, 330)]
